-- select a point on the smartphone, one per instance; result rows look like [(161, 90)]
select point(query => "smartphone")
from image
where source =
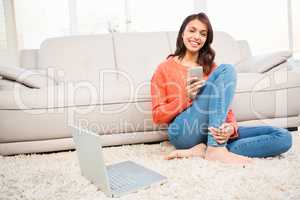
[(195, 72)]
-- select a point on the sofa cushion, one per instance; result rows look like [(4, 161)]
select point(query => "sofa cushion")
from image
[(244, 49), (227, 48), (256, 93), (77, 58), (73, 94), (172, 39), (139, 54)]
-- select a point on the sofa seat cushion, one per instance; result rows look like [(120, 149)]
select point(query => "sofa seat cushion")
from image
[(270, 95), (118, 112), (73, 94)]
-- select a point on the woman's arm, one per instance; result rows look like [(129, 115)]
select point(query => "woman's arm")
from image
[(163, 111)]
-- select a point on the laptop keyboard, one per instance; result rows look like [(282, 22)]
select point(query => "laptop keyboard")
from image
[(119, 182)]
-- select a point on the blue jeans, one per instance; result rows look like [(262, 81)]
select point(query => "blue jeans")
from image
[(260, 141), (210, 109)]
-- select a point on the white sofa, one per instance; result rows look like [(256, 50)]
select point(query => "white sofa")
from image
[(102, 82)]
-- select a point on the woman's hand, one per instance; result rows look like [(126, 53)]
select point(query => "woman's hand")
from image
[(223, 133), (193, 86)]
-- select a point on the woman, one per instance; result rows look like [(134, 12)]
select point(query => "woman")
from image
[(200, 121)]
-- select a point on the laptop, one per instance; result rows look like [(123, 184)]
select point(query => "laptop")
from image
[(114, 180)]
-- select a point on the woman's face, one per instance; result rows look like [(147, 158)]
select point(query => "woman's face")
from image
[(194, 35)]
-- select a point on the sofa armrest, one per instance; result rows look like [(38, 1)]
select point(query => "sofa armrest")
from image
[(29, 58), (30, 78), (263, 63), (6, 84)]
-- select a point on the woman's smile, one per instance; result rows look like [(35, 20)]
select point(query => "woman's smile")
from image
[(194, 43)]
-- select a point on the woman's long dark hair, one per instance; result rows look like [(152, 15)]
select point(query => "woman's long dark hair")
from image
[(206, 53)]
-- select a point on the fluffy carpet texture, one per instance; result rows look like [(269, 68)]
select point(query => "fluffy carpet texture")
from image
[(57, 176)]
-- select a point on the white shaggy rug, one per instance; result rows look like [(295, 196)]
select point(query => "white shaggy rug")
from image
[(57, 176)]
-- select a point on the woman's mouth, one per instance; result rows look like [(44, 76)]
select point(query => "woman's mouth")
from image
[(194, 44)]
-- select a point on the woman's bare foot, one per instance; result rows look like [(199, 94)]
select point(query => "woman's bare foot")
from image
[(198, 150), (223, 155)]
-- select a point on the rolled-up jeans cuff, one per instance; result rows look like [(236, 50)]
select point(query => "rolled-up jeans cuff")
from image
[(212, 142)]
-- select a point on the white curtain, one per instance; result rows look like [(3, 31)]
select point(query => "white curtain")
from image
[(3, 39)]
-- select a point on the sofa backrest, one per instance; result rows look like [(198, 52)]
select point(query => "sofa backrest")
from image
[(135, 54), (138, 54), (78, 57), (227, 49)]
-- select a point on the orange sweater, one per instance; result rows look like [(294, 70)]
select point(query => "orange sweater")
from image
[(169, 96)]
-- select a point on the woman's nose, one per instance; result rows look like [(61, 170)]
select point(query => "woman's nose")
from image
[(197, 36)]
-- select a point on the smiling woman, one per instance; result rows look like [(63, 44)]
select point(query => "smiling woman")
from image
[(198, 113)]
